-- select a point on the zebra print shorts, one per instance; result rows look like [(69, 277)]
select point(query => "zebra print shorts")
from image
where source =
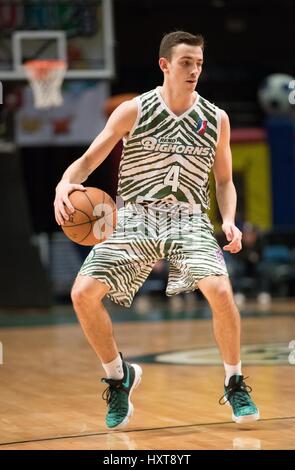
[(145, 235)]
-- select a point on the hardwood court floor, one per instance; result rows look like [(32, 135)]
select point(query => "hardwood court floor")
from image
[(50, 388)]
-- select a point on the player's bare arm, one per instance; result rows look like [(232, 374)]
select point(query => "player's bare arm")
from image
[(119, 124), (225, 189)]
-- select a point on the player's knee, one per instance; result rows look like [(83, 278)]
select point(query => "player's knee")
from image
[(223, 291), (79, 296), (84, 292), (217, 289)]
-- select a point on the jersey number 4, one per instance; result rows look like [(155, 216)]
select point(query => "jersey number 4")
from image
[(171, 179)]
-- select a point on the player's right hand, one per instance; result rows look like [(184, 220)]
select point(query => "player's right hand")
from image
[(62, 204)]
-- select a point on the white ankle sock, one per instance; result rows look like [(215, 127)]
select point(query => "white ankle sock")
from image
[(231, 370), (114, 369)]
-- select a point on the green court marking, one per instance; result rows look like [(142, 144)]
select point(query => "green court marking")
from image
[(272, 353)]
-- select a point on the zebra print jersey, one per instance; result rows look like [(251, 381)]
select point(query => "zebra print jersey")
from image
[(169, 157)]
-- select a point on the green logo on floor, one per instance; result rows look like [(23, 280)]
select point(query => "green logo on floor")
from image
[(253, 354)]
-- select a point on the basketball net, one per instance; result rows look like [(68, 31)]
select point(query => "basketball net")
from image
[(46, 77)]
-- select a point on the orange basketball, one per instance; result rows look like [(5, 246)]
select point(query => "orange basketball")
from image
[(94, 219)]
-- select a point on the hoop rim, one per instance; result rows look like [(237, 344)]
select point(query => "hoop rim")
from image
[(46, 64), (43, 69)]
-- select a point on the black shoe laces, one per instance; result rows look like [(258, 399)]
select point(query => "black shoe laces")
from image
[(239, 392), (111, 394)]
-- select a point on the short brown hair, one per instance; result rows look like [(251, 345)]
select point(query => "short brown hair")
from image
[(178, 37)]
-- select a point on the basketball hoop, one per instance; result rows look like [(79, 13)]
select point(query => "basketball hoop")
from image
[(46, 77)]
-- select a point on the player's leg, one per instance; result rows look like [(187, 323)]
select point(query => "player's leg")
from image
[(226, 317), (199, 262), (87, 295), (122, 377), (226, 327), (116, 268)]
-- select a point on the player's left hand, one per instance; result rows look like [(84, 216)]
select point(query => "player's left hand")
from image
[(234, 236)]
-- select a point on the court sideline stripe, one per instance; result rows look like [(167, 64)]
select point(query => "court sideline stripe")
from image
[(79, 436)]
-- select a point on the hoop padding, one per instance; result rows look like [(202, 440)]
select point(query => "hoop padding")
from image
[(46, 77)]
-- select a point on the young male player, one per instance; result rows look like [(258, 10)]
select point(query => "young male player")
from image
[(173, 138)]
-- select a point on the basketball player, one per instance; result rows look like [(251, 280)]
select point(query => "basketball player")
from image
[(173, 138)]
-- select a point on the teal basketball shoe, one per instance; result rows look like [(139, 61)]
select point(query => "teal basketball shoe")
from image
[(118, 396), (236, 394)]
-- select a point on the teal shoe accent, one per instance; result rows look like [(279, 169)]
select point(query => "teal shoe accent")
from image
[(118, 394), (236, 394)]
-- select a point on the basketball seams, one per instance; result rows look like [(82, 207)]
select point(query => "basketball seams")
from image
[(85, 213), (81, 223), (86, 236), (91, 203), (79, 227), (106, 199), (89, 221)]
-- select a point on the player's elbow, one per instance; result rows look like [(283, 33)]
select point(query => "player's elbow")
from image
[(224, 185)]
